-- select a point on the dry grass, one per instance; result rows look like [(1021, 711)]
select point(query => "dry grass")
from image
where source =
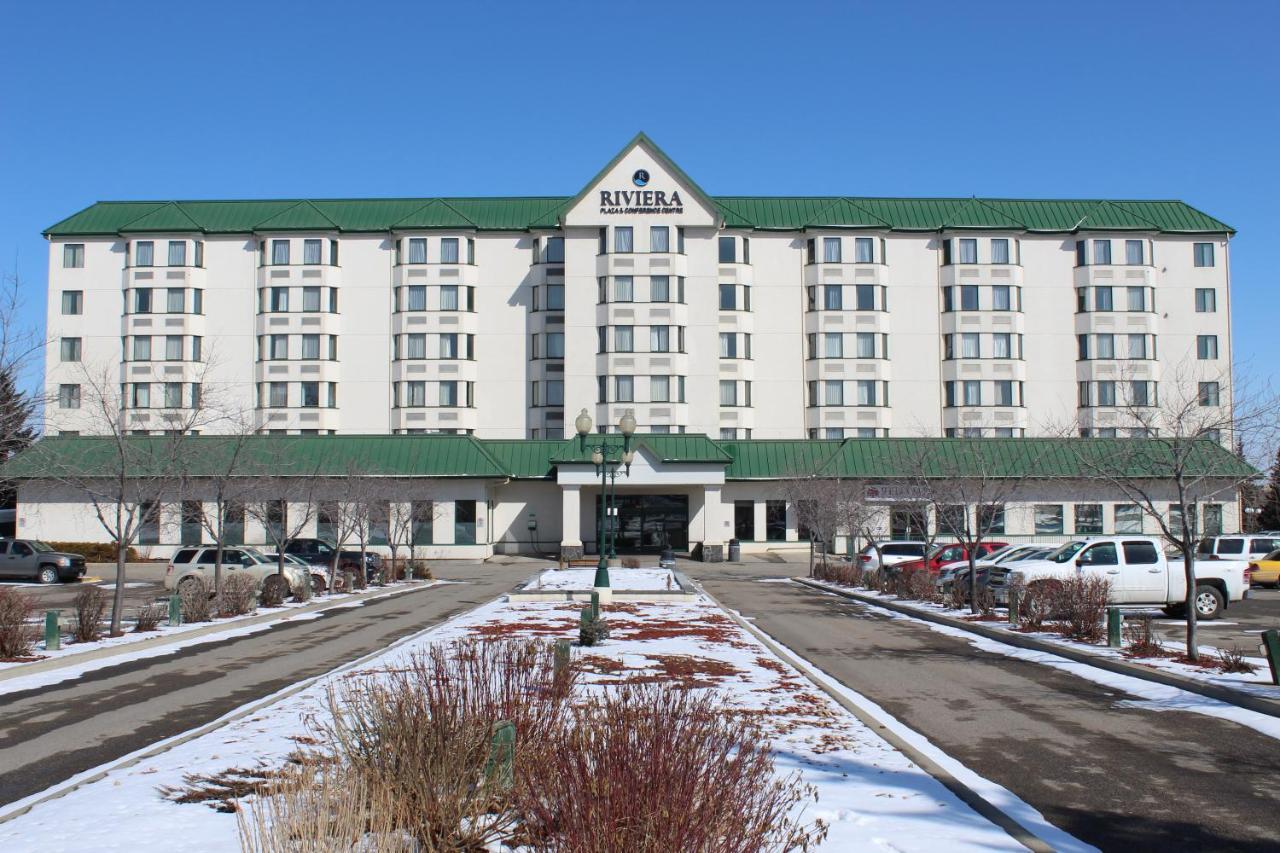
[(91, 606), (17, 634)]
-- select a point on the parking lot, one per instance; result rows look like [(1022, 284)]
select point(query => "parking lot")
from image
[(1241, 623)]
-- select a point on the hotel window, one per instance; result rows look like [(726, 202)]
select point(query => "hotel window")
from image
[(1206, 347), (659, 288), (278, 394), (1137, 346), (144, 253), (1002, 345), (1204, 254), (727, 297), (197, 301), (1102, 251), (68, 396), (659, 238), (1106, 392), (449, 250), (968, 297), (555, 392), (863, 250), (415, 393), (311, 250), (177, 253), (416, 298), (279, 347), (555, 250), (1102, 299), (415, 345), (990, 519), (831, 250), (555, 345), (622, 239), (73, 255), (555, 297), (448, 345), (866, 391), (728, 252), (199, 253), (775, 521), (1048, 518), (659, 339), (865, 297), (1128, 518), (449, 393), (1004, 392), (728, 392), (972, 389), (311, 347), (968, 251), (832, 297), (471, 251), (142, 300), (73, 302), (175, 302), (1206, 300), (173, 348), (623, 339), (1208, 394), (1001, 298), (1133, 253), (173, 395), (279, 252), (1141, 393), (448, 297), (660, 389), (70, 349), (142, 348), (728, 345), (866, 344), (811, 251), (1088, 518), (833, 345), (1137, 298), (1000, 251), (141, 397), (417, 250), (1104, 345), (624, 288), (279, 299), (970, 345), (624, 389)]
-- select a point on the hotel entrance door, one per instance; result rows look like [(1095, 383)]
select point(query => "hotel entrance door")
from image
[(648, 523)]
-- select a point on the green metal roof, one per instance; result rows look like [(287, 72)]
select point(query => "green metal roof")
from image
[(110, 218), (758, 459)]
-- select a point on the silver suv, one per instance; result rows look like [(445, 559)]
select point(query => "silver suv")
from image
[(189, 562), (31, 558)]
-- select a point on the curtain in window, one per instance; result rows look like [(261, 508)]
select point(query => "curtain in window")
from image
[(833, 392), (279, 252), (832, 296), (659, 239), (866, 345), (1002, 345), (1102, 299), (970, 345), (623, 288), (1133, 252), (625, 388), (417, 250), (173, 348), (659, 339), (622, 241), (449, 393), (1137, 299), (1001, 298), (866, 392), (142, 348), (143, 253), (1137, 346), (660, 389), (177, 253), (728, 392), (449, 250), (417, 298), (623, 339), (833, 345), (415, 345), (448, 345), (999, 251), (968, 251), (864, 250), (311, 251), (831, 250), (1102, 251), (972, 392), (449, 297), (311, 346), (175, 300)]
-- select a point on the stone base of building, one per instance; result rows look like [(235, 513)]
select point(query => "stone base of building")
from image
[(712, 553), (571, 552)]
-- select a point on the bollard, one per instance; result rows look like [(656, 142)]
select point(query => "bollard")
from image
[(1114, 620), (52, 631), (175, 611), (561, 664), (595, 606), (502, 750), (1014, 600), (1271, 648)]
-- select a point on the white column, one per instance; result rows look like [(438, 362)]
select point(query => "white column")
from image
[(715, 529), (570, 516)]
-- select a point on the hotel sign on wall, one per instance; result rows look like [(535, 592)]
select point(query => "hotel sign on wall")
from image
[(640, 200)]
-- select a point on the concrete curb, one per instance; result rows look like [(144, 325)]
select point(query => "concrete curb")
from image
[(944, 777), (62, 661), (1022, 641)]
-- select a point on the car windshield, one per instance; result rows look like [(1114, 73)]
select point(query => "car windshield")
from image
[(1066, 552), (1000, 554), (1274, 555), (255, 556), (41, 547)]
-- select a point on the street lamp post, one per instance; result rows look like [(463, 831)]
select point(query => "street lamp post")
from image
[(607, 457)]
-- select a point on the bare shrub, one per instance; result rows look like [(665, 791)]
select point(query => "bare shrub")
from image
[(193, 592), (239, 595), (273, 590), (918, 584), (1081, 604), (986, 600), (654, 768), (302, 591), (17, 634), (1233, 660), (421, 570), (840, 572), (630, 562), (957, 598), (1038, 603), (91, 606), (1141, 638), (149, 617)]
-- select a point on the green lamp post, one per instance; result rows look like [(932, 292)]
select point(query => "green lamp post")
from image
[(607, 457)]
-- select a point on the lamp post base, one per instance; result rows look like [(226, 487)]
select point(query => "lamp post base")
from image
[(602, 574)]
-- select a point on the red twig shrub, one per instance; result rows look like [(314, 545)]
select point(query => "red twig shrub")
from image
[(1081, 605), (91, 605), (1141, 638), (840, 572), (17, 634), (1233, 660), (1038, 602), (654, 768)]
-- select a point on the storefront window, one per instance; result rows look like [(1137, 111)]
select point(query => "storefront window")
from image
[(775, 521)]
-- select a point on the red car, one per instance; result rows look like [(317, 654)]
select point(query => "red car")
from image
[(940, 555)]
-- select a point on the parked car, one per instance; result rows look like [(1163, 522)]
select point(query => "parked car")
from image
[(891, 553), (1253, 546), (958, 572), (1139, 572), (318, 552), (202, 562), (319, 573), (31, 558), (941, 555), (1266, 570)]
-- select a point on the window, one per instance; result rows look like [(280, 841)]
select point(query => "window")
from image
[(831, 250), (415, 393), (1088, 518), (866, 391), (970, 345), (1102, 554), (863, 250), (142, 300), (448, 345), (1133, 254), (1212, 521), (1208, 395), (990, 520), (278, 394), (1102, 251), (1106, 392), (1206, 347), (1080, 253), (70, 349), (449, 297), (1140, 393), (866, 344), (415, 345), (73, 302), (1104, 346), (744, 517), (555, 392), (73, 255), (728, 299), (464, 522), (1002, 345), (659, 339), (311, 346), (149, 523), (141, 397), (728, 252), (1048, 518), (555, 345), (833, 345), (279, 346), (173, 348), (1137, 346), (833, 392), (659, 289), (279, 299), (728, 345), (417, 250), (832, 297), (555, 250), (1137, 298), (177, 253), (623, 339), (1102, 299), (728, 392), (1206, 300), (775, 521), (1004, 392), (144, 253), (310, 395), (173, 395), (624, 288), (1204, 254), (279, 252), (449, 250), (68, 396), (660, 389), (422, 515), (968, 250), (972, 392), (175, 300), (622, 239), (416, 298), (659, 238), (142, 348), (311, 251), (1128, 518), (968, 297), (865, 297), (1001, 298), (1000, 251), (624, 389)]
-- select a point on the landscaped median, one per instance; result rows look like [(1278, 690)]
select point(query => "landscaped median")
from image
[(1136, 659), (47, 666), (676, 731)]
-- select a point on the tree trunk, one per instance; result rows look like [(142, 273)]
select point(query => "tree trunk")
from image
[(217, 569), (973, 578), (122, 549), (1189, 570)]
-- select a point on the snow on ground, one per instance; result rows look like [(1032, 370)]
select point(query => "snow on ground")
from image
[(621, 580), (1258, 683), (234, 627), (872, 795)]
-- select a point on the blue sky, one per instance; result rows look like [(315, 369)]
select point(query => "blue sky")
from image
[(242, 100)]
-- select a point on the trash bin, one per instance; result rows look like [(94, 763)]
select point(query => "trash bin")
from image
[(735, 551), (667, 560)]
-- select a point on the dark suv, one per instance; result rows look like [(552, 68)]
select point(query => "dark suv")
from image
[(318, 552), (30, 558)]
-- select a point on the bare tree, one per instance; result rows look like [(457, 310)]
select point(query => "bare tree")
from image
[(20, 346), (834, 506), (1177, 456), (218, 466), (284, 505)]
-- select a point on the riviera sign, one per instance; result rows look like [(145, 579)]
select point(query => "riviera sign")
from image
[(640, 201)]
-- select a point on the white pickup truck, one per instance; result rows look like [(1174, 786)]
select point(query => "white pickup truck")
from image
[(1139, 574)]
